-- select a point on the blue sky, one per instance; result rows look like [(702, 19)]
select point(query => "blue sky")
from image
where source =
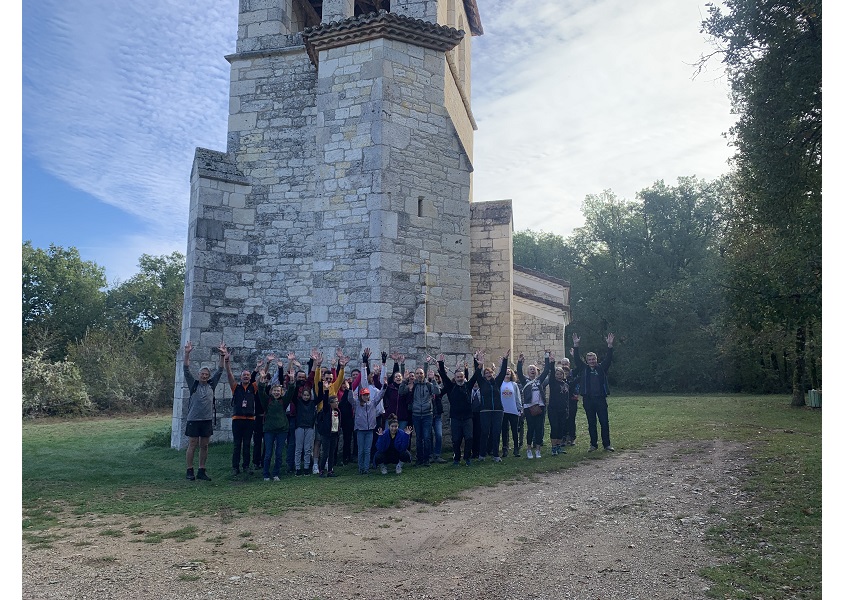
[(571, 98)]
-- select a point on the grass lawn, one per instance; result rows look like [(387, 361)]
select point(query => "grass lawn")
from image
[(122, 466)]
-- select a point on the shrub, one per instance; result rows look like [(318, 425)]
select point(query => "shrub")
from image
[(118, 380), (52, 388)]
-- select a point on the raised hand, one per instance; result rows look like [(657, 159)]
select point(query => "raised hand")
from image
[(383, 356), (572, 352), (270, 358), (319, 358), (408, 430), (188, 347), (260, 363), (576, 339), (314, 354), (610, 340), (394, 356), (507, 354), (290, 356), (441, 357), (521, 357), (367, 353), (380, 431), (343, 360), (279, 363)]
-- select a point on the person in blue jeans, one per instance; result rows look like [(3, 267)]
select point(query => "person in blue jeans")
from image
[(437, 420), (365, 414), (420, 392), (275, 427), (593, 386)]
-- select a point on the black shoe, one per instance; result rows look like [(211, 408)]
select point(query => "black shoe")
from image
[(504, 453), (202, 475), (609, 448), (234, 471), (331, 474), (190, 474), (298, 472), (592, 449), (516, 452)]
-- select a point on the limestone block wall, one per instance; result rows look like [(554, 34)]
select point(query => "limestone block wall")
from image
[(392, 164), (491, 237), (533, 334)]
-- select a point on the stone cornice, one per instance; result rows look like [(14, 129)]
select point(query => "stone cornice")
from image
[(541, 275), (540, 300), (382, 24)]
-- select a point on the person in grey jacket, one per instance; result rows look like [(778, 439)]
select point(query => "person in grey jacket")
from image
[(533, 390), (420, 392), (199, 419)]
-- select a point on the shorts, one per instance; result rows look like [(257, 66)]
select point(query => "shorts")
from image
[(199, 428)]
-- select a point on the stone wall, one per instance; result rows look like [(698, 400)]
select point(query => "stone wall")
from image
[(339, 215), (533, 334), (491, 237)]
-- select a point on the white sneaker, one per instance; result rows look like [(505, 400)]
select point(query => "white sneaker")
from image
[(383, 469), (537, 454), (315, 469), (266, 479), (275, 478), (398, 469), (529, 454)]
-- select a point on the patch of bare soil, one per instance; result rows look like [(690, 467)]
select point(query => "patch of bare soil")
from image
[(628, 526)]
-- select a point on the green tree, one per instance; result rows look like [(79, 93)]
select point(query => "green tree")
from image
[(772, 53), (63, 296), (150, 306), (645, 269)]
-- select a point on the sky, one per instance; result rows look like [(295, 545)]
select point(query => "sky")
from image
[(570, 98)]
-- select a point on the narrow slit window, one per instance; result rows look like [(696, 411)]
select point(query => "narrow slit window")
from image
[(420, 207)]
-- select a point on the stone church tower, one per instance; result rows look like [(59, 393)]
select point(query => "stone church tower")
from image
[(340, 213)]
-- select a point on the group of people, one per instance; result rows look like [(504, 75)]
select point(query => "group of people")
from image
[(282, 408)]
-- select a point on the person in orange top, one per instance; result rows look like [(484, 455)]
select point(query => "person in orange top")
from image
[(245, 398)]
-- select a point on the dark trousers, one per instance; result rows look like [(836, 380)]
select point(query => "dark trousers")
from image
[(422, 426), (290, 446), (258, 436), (557, 422), (491, 428), (461, 432), (273, 440), (476, 430), (243, 430), (391, 456), (572, 409), (510, 422), (534, 437), (330, 445), (597, 408), (348, 443)]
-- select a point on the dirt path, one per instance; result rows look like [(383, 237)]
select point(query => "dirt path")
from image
[(630, 526)]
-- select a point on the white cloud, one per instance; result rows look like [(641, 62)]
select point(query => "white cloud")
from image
[(570, 98)]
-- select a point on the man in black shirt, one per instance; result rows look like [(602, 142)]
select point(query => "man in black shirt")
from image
[(593, 387)]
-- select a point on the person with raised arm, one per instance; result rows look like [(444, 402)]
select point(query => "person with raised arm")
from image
[(365, 414), (245, 397), (491, 404), (201, 413), (593, 387), (459, 392), (420, 394), (533, 391)]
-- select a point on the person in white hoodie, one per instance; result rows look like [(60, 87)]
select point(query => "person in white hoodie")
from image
[(512, 405), (365, 414)]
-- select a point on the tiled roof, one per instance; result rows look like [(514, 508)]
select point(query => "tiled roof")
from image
[(381, 24)]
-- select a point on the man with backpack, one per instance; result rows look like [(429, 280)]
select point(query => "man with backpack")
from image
[(199, 420)]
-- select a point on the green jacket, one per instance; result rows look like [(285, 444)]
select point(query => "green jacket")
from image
[(276, 420)]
